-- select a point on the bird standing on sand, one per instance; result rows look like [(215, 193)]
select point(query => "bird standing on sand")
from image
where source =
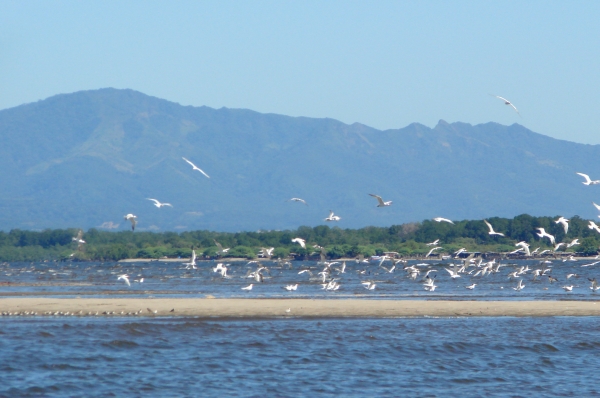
[(159, 204), (194, 167), (380, 200), (130, 217)]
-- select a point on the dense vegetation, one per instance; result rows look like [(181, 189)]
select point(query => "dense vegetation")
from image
[(406, 239)]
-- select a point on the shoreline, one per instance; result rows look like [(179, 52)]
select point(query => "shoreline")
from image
[(299, 308)]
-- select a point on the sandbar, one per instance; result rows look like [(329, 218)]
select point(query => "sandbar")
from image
[(302, 308)]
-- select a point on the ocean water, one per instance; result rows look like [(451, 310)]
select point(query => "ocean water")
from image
[(173, 280), (402, 357)]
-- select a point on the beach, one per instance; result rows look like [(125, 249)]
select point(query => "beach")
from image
[(305, 308)]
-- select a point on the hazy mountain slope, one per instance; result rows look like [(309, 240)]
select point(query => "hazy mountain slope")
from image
[(88, 158)]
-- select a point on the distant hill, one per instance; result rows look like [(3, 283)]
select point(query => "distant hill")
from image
[(88, 158)]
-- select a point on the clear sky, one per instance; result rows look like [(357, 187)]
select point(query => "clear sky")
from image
[(385, 64)]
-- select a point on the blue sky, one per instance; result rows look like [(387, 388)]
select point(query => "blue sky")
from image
[(383, 64)]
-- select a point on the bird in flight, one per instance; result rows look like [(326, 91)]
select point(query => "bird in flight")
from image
[(492, 232), (194, 167), (564, 222), (159, 204), (333, 217), (588, 180), (132, 219), (300, 241), (440, 219), (381, 202), (543, 234), (125, 277), (297, 200), (507, 102)]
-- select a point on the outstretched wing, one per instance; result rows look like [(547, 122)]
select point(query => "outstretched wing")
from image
[(378, 198)]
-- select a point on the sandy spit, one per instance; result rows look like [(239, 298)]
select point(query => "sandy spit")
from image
[(273, 308)]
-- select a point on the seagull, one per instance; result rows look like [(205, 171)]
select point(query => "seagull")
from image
[(125, 277), (558, 245), (194, 167), (588, 180), (596, 206), (435, 242), (564, 222), (492, 232), (440, 219), (507, 102), (369, 285), (594, 226), (594, 286), (152, 311), (220, 250), (158, 204), (192, 263), (381, 202), (568, 288), (133, 220), (289, 288), (297, 200), (300, 241), (574, 242), (471, 287), (432, 250), (543, 234), (525, 247), (333, 217), (248, 288), (79, 237), (520, 286)]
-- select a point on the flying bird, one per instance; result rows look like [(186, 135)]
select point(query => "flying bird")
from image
[(159, 204), (297, 200), (300, 241), (588, 180), (440, 219), (492, 232), (194, 167), (507, 102), (130, 217), (248, 288), (543, 234), (435, 242), (124, 277), (564, 222), (333, 217), (381, 202)]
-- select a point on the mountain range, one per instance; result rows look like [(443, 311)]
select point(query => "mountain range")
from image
[(88, 158)]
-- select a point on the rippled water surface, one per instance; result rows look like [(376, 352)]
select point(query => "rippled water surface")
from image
[(163, 278), (413, 357)]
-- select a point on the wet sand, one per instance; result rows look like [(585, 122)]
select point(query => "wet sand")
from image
[(273, 308)]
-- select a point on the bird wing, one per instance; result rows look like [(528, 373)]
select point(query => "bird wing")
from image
[(192, 164), (489, 226), (156, 202), (378, 198), (597, 206), (587, 177)]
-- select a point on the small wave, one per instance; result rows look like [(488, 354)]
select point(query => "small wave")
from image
[(45, 334), (60, 366), (121, 344)]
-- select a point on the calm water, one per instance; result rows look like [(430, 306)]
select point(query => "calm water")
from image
[(413, 357), (172, 279)]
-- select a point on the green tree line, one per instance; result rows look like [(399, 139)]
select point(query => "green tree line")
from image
[(406, 239)]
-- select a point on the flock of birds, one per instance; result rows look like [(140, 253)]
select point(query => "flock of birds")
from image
[(330, 283)]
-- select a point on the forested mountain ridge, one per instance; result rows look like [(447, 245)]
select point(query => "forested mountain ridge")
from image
[(88, 158)]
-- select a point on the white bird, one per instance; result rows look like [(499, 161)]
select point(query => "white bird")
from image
[(564, 222), (440, 219), (381, 202), (492, 232), (594, 226), (525, 246), (543, 234), (124, 277), (558, 245), (596, 206), (432, 250), (520, 286), (220, 250), (192, 263), (194, 167), (79, 237), (132, 219), (594, 286), (300, 241), (289, 288), (568, 288), (471, 287), (332, 217), (369, 285), (159, 204), (247, 288), (297, 200), (435, 242), (588, 180), (507, 102), (574, 242)]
